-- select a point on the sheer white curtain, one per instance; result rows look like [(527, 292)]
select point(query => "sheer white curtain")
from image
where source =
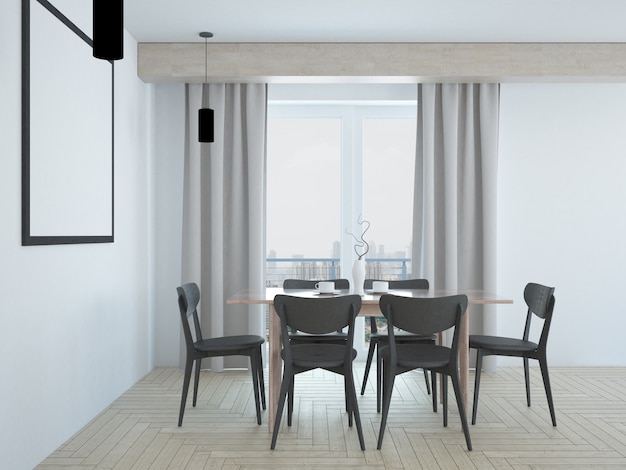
[(454, 224), (224, 208)]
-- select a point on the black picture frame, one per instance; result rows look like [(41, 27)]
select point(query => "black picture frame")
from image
[(74, 203)]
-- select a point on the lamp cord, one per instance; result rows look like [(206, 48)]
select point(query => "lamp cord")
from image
[(206, 70)]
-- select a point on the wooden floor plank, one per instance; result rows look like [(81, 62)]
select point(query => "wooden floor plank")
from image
[(139, 430)]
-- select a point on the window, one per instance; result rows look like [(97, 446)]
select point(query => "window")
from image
[(304, 185), (389, 167), (329, 162)]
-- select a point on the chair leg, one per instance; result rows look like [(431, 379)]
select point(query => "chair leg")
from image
[(368, 364), (389, 377), (354, 407), (456, 384), (284, 388), (345, 395), (433, 378), (444, 392), (427, 381), (479, 366), (290, 400), (527, 380), (254, 366), (261, 378), (196, 381), (348, 397), (543, 364), (183, 399), (379, 380)]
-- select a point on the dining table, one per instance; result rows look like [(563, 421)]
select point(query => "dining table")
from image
[(369, 307)]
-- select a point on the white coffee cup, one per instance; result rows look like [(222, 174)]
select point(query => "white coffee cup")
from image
[(380, 286), (325, 287)]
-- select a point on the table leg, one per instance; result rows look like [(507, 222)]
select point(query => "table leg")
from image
[(274, 365), (464, 357)]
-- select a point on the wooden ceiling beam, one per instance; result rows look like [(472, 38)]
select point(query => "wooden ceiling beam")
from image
[(382, 62)]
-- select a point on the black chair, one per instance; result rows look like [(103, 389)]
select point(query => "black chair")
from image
[(540, 301), (307, 284), (317, 316), (241, 345), (424, 316), (379, 339)]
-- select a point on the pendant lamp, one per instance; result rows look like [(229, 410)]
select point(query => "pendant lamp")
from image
[(205, 115), (108, 29)]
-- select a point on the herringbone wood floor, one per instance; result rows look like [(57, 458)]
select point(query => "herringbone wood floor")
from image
[(139, 431)]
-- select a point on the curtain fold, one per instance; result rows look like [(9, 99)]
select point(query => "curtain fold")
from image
[(454, 223), (224, 208)]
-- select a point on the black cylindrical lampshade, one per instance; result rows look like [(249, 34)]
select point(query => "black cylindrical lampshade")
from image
[(205, 125), (108, 29)]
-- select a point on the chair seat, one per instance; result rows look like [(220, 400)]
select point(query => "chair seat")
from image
[(312, 355), (228, 343), (499, 343), (423, 356)]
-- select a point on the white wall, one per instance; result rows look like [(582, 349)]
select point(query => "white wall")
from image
[(561, 215), (76, 327)]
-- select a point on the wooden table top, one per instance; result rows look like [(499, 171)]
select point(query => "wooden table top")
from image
[(266, 296)]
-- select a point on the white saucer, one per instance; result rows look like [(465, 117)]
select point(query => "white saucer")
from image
[(373, 292), (335, 292)]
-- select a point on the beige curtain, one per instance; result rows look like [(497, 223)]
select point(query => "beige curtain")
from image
[(224, 208), (454, 224)]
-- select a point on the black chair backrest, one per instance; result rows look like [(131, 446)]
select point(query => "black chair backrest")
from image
[(400, 283), (540, 300), (310, 284), (422, 315), (188, 299), (317, 316)]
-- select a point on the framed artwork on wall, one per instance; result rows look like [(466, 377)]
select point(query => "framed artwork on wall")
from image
[(67, 132)]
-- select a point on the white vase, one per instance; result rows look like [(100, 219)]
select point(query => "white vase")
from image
[(358, 277)]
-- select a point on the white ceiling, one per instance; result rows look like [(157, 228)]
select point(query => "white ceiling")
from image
[(377, 20)]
